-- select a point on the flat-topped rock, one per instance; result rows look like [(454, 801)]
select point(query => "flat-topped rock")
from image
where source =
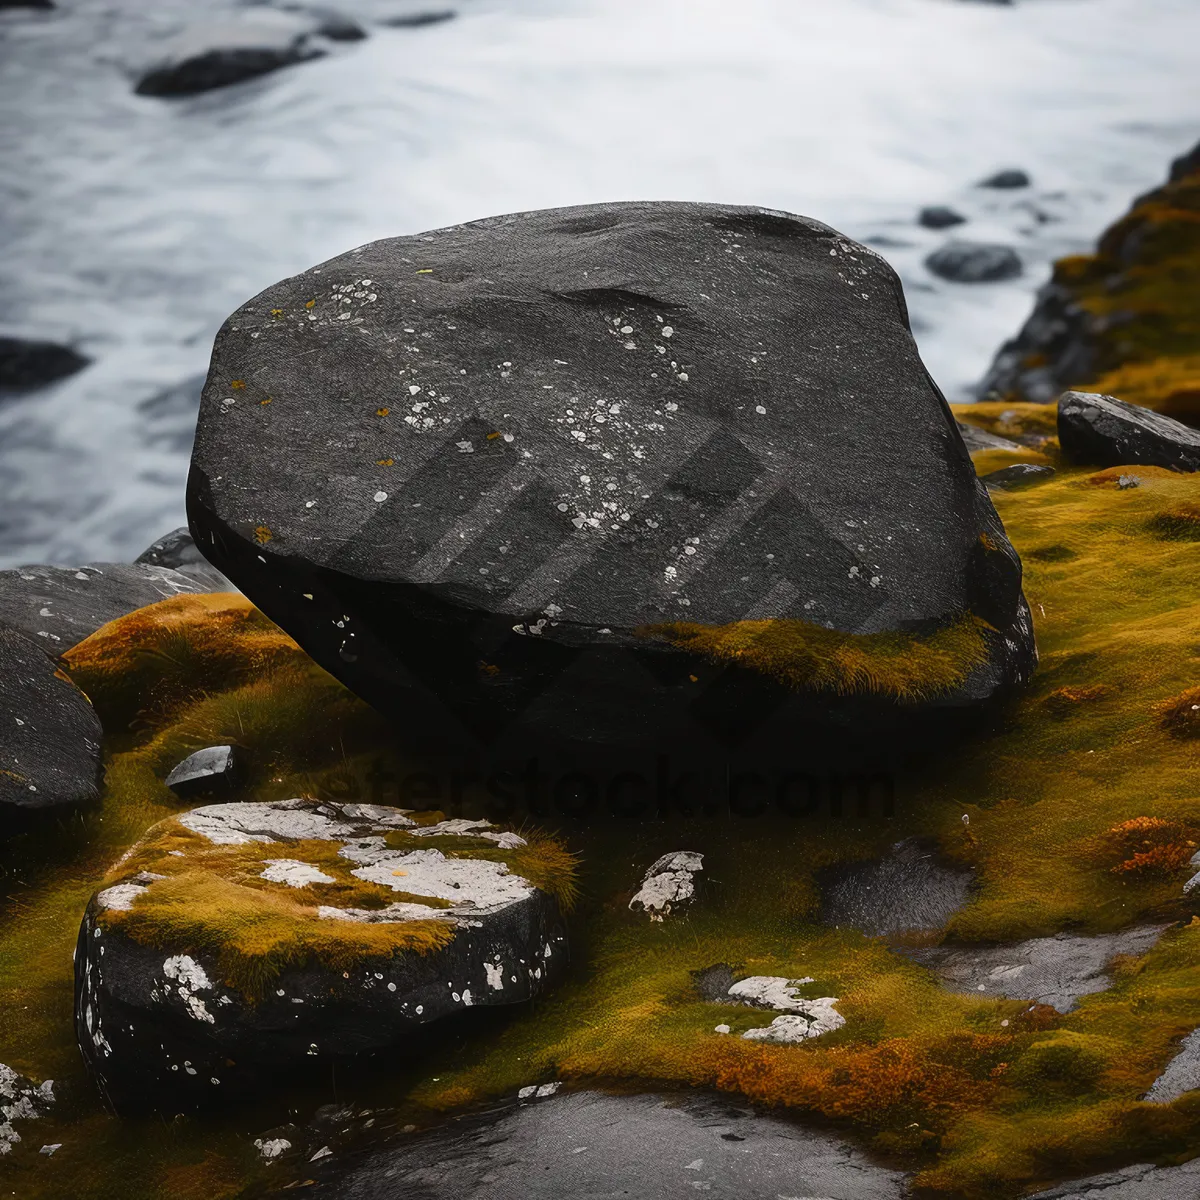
[(49, 733), (236, 941), (574, 473), (59, 606)]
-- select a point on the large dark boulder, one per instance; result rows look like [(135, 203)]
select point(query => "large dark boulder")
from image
[(548, 469), (59, 606), (49, 733), (1106, 432), (239, 942), (26, 364), (974, 262)]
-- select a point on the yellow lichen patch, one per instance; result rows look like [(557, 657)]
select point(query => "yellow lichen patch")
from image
[(266, 400), (172, 651), (806, 657), (382, 412), (262, 534), (214, 901), (384, 462), (309, 303), (1010, 420), (237, 384)]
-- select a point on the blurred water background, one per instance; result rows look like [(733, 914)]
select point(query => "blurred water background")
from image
[(132, 225)]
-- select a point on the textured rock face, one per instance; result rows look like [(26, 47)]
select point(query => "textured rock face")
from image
[(1107, 432), (1127, 310), (1143, 1181), (177, 550), (587, 1146), (59, 606), (49, 734), (1182, 1073), (209, 771), (160, 1025), (501, 463)]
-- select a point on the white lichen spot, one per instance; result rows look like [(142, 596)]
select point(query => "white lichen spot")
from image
[(294, 873), (190, 978), (819, 1016), (770, 991)]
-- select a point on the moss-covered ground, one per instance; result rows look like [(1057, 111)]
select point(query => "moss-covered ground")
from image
[(1083, 807)]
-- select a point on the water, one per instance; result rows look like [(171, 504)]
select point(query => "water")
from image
[(132, 225)]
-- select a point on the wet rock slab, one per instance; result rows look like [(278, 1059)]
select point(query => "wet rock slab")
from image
[(1182, 1073), (1144, 1181), (592, 1146), (1053, 970), (501, 463), (909, 891), (49, 733)]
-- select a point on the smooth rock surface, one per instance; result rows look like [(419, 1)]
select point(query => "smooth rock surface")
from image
[(1144, 1181), (909, 891), (49, 733), (230, 51), (59, 606), (25, 364), (1182, 1073), (211, 770), (159, 1028), (1017, 476), (1106, 432), (974, 262), (591, 1146), (1055, 970), (939, 216), (501, 457)]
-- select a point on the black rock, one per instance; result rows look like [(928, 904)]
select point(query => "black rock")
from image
[(329, 23), (159, 1025), (59, 606), (938, 216), (1016, 476), (1106, 432), (177, 550), (588, 1145), (503, 459), (214, 56), (1006, 180), (49, 733), (207, 772), (909, 891), (25, 365), (975, 438), (419, 19), (974, 262)]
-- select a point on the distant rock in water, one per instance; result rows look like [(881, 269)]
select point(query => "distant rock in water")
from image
[(1122, 320), (571, 475), (1006, 180), (418, 20), (1106, 432), (57, 607), (215, 55), (974, 262), (49, 734), (25, 365), (938, 216), (368, 925), (639, 1146)]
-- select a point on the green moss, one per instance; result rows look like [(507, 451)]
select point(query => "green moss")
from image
[(806, 657)]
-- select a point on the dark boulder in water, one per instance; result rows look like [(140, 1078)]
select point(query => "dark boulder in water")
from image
[(26, 365), (608, 475), (974, 262)]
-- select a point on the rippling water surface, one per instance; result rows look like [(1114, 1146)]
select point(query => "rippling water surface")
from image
[(133, 225)]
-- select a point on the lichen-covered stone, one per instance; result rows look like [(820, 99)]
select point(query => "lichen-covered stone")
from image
[(533, 469), (49, 733), (21, 1100), (668, 885), (245, 939)]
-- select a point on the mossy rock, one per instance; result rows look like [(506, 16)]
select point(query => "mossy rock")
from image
[(237, 940)]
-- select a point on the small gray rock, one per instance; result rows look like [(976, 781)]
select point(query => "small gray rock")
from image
[(1007, 180), (975, 438), (1182, 1073), (939, 216), (1017, 476), (974, 262), (1106, 432), (49, 732), (211, 770), (59, 606)]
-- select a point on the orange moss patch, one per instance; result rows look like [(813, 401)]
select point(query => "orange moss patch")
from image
[(1180, 715)]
